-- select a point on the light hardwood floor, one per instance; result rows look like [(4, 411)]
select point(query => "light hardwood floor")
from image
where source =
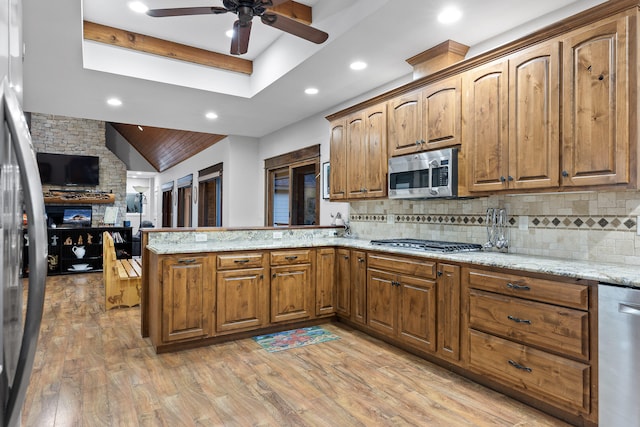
[(92, 368)]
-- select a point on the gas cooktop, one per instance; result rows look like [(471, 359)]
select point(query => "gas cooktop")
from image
[(429, 245)]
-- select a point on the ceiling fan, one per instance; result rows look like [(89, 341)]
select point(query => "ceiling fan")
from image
[(246, 10)]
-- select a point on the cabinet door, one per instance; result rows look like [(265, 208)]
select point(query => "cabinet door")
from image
[(534, 117), (442, 114), (375, 120), (338, 159), (359, 287), (355, 156), (448, 311), (343, 282), (240, 302), (595, 115), (291, 292), (417, 312), (487, 126), (405, 124), (382, 301), (186, 296), (325, 281)]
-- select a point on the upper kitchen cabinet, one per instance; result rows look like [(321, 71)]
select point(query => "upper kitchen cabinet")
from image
[(512, 121), (366, 141), (595, 125), (428, 119), (338, 160)]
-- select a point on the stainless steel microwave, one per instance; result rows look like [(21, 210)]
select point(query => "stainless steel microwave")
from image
[(426, 175)]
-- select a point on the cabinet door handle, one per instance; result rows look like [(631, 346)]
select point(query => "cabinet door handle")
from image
[(291, 257), (274, 275), (346, 256), (439, 273), (187, 260), (565, 174), (517, 287), (360, 259), (517, 320), (503, 179), (241, 261), (519, 366), (261, 276)]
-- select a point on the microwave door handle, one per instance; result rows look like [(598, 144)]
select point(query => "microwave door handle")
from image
[(432, 164), (34, 204)]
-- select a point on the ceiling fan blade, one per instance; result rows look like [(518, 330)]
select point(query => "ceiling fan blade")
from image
[(181, 11), (294, 27), (240, 39)]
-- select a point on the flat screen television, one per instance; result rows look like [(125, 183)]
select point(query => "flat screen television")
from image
[(77, 217), (68, 170)]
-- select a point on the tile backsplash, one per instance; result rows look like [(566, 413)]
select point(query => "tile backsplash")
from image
[(598, 226)]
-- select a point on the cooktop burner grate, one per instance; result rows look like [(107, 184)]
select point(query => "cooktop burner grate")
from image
[(429, 245)]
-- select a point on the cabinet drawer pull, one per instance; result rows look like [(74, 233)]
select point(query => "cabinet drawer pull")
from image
[(187, 260), (519, 366), (291, 257), (517, 287), (515, 319), (241, 261)]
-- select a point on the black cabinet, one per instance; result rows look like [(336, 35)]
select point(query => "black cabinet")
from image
[(78, 250)]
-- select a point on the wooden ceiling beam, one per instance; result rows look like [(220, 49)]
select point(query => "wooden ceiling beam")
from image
[(298, 11), (140, 42)]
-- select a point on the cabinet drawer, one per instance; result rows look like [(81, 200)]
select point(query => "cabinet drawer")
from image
[(553, 379), (552, 327), (290, 257), (413, 267), (239, 260), (566, 294)]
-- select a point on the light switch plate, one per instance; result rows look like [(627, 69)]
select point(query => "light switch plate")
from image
[(277, 234)]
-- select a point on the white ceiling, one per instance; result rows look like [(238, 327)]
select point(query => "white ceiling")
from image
[(65, 76)]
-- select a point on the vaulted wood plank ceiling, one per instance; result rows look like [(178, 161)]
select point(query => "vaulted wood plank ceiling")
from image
[(165, 148)]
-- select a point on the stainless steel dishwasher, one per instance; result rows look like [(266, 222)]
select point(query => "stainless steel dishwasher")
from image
[(618, 354)]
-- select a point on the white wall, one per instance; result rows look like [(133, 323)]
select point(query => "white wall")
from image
[(125, 151)]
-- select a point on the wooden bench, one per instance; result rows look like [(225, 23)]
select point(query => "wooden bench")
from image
[(122, 277)]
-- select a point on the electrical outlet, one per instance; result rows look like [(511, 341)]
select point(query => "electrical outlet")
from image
[(277, 234), (201, 237), (523, 222), (390, 219)]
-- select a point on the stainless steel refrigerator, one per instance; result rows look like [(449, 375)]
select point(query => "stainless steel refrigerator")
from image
[(20, 193)]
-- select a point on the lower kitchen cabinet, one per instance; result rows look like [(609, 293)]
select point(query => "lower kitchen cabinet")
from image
[(242, 286), (448, 311), (186, 296), (325, 281), (401, 299), (343, 282), (292, 285), (533, 335), (358, 275)]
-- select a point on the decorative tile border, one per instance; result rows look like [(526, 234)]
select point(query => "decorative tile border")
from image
[(559, 222)]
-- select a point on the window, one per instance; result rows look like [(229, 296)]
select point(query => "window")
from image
[(210, 196), (184, 200), (293, 188), (167, 202)]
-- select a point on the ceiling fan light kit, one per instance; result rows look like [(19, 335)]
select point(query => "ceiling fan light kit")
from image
[(246, 10)]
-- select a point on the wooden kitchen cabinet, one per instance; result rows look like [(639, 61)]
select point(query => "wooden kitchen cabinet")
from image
[(292, 285), (366, 140), (401, 299), (325, 281), (187, 292), (428, 119), (242, 286), (596, 102), (343, 282), (448, 311), (358, 287), (338, 160), (533, 335), (513, 114)]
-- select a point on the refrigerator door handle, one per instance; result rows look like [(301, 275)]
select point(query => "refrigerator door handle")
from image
[(37, 230)]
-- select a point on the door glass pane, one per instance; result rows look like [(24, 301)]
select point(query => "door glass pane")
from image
[(184, 207), (304, 195), (280, 185), (210, 203), (167, 200)]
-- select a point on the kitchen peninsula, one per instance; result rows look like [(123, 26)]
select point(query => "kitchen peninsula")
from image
[(203, 286)]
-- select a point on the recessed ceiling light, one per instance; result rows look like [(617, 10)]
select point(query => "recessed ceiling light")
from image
[(229, 33), (358, 65), (449, 15), (311, 91), (138, 6), (211, 115), (114, 102)]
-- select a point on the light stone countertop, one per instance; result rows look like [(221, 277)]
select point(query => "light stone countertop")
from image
[(618, 274)]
